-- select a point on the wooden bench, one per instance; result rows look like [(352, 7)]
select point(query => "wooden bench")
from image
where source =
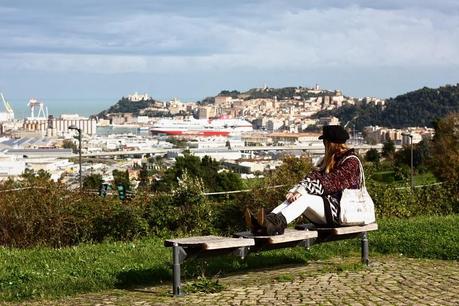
[(244, 242)]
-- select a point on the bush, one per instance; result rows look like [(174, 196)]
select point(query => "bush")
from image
[(55, 216), (404, 202), (51, 215), (372, 155), (185, 210), (121, 222), (384, 176)]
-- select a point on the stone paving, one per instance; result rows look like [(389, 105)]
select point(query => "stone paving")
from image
[(387, 281)]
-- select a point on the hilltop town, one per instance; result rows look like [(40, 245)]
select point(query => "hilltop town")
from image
[(230, 127)]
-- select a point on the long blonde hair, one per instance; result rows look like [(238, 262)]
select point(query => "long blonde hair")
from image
[(331, 151)]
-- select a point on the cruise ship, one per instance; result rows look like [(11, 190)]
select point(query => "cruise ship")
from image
[(201, 127)]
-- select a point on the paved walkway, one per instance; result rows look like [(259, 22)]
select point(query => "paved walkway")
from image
[(387, 281)]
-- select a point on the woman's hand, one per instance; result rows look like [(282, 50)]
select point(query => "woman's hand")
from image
[(292, 196)]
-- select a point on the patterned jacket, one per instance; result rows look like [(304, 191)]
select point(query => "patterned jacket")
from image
[(345, 175)]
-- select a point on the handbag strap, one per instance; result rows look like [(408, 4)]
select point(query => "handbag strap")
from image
[(362, 174)]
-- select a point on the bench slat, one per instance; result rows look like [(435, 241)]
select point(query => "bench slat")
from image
[(290, 235), (210, 242), (344, 230)]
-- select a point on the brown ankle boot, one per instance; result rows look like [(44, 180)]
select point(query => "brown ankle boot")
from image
[(261, 215), (255, 226), (275, 224)]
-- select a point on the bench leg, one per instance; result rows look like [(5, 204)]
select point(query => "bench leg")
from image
[(364, 246), (177, 258)]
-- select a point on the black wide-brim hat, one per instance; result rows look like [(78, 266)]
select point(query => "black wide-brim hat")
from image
[(334, 133)]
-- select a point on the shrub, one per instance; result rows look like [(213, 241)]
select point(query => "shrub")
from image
[(50, 214), (384, 176), (404, 202), (121, 222), (57, 217), (372, 155), (184, 210)]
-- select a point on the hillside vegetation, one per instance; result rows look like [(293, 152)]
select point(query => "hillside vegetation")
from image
[(124, 105), (422, 107)]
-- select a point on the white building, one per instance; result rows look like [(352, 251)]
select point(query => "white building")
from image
[(274, 124), (220, 154), (136, 97), (11, 166), (60, 126)]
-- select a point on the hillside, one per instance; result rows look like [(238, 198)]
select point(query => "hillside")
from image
[(270, 93), (124, 105), (421, 107)]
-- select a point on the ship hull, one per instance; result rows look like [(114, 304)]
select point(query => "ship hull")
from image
[(218, 127), (189, 133)]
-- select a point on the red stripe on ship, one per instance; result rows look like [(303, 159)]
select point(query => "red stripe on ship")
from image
[(196, 133)]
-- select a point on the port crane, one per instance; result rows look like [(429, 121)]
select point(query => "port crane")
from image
[(8, 108), (42, 113)]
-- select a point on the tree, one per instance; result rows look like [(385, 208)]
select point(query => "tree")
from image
[(421, 153), (36, 178), (69, 144), (228, 181), (121, 178), (144, 177), (92, 181), (372, 155), (207, 169), (445, 149), (388, 149), (429, 105)]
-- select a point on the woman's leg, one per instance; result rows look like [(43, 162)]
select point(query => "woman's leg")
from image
[(311, 205), (280, 207)]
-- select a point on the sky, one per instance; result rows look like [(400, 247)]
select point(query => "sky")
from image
[(81, 56)]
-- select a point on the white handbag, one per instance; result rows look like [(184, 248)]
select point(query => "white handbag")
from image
[(356, 205)]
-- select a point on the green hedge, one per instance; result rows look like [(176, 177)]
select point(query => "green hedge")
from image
[(405, 202), (54, 216)]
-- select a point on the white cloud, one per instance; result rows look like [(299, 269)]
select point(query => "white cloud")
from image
[(292, 38)]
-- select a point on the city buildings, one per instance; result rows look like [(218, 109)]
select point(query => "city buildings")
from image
[(123, 140)]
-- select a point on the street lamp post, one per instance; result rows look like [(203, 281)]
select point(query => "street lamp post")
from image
[(74, 127), (352, 121), (412, 168)]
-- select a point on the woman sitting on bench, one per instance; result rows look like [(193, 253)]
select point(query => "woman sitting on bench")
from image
[(317, 196)]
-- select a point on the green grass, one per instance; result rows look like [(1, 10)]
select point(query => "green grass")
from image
[(424, 179), (387, 178), (203, 284), (420, 237), (45, 272), (52, 273)]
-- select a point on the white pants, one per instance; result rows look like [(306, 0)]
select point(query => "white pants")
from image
[(311, 205)]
